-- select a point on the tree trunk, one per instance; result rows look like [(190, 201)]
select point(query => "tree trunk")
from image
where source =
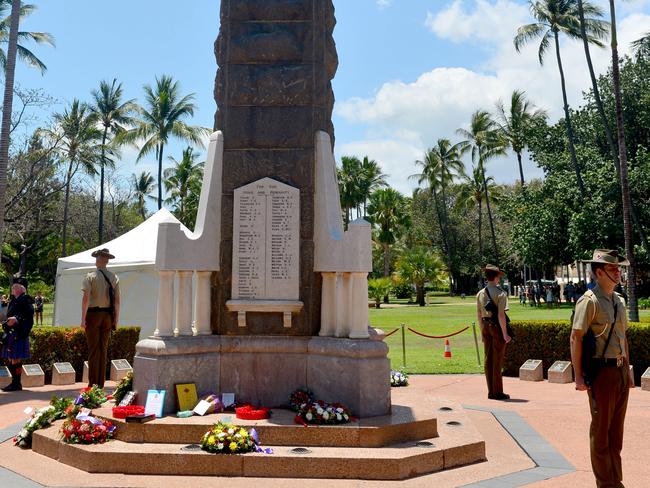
[(448, 239), (419, 295), (64, 233), (567, 121), (100, 230), (633, 307), (521, 169), (480, 231), (160, 181), (7, 105), (386, 247), (487, 204)]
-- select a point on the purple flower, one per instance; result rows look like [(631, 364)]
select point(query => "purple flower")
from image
[(79, 400), (254, 436)]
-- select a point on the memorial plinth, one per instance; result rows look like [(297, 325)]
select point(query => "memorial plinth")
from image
[(5, 376), (32, 376), (531, 370), (645, 380), (63, 374), (560, 372)]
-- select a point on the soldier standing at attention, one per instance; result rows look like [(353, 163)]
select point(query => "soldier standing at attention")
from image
[(603, 311), (100, 313), (493, 330)]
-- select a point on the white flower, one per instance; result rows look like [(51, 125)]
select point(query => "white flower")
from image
[(237, 436), (231, 431), (221, 434), (309, 416), (326, 415), (339, 410), (319, 411), (346, 416), (338, 417), (220, 445)]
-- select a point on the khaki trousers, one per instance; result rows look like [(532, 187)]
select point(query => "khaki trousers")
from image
[(608, 404), (98, 334), (495, 352)]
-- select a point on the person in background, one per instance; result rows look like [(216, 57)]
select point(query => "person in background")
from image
[(20, 319), (38, 308)]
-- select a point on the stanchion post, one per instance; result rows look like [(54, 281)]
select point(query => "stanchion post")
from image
[(478, 355), (403, 345)]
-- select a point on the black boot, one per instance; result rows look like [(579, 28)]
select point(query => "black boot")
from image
[(16, 370)]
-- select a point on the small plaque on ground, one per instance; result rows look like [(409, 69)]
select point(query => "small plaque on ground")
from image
[(531, 370), (4, 372), (560, 372), (33, 369), (121, 364), (33, 375), (64, 367), (645, 380)]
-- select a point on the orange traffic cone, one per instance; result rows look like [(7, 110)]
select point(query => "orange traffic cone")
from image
[(447, 349)]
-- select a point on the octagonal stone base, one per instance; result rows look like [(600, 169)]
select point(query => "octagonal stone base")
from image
[(264, 370)]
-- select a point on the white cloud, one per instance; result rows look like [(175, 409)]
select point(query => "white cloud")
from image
[(382, 4), (402, 119)]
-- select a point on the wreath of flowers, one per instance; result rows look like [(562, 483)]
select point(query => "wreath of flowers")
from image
[(41, 418), (91, 397), (250, 412), (300, 397), (320, 412), (225, 438), (398, 378), (124, 386), (87, 430)]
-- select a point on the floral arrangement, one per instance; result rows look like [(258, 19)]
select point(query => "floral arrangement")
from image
[(398, 378), (91, 397), (250, 412), (85, 429), (124, 386), (225, 438), (41, 418), (300, 397), (320, 412)]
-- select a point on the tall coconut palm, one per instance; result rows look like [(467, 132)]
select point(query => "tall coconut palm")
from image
[(349, 179), (161, 119), (77, 139), (142, 187), (633, 306), (388, 211), (515, 121), (642, 45), (371, 179), (114, 115), (183, 183), (555, 17), (484, 141)]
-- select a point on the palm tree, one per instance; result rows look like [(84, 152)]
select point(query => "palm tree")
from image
[(161, 119), (642, 45), (25, 54), (389, 212), (183, 183), (419, 266), (77, 139), (371, 179), (113, 115), (484, 141), (555, 17), (142, 187), (349, 178), (625, 186), (515, 122)]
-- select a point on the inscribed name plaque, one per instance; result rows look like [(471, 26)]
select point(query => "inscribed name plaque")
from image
[(266, 251), (119, 369), (645, 380), (560, 372), (63, 374), (33, 375), (5, 376), (531, 370)]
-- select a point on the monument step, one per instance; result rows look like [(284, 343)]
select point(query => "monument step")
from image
[(404, 424), (457, 445)]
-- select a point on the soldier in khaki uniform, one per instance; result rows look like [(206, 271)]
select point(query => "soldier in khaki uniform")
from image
[(493, 331), (98, 315), (608, 392)]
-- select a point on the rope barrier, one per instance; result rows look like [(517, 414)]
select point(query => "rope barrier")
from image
[(438, 337), (391, 333)]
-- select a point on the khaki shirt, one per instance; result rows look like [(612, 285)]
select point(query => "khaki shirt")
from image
[(97, 288), (595, 310), (498, 296)]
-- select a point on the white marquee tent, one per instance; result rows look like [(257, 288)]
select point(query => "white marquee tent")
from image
[(134, 263)]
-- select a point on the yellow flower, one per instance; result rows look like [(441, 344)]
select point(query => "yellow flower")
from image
[(233, 446)]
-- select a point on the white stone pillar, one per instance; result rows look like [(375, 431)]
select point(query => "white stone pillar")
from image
[(328, 306), (202, 303), (164, 318), (343, 284), (359, 306), (183, 322)]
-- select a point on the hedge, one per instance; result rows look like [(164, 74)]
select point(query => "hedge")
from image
[(549, 341), (49, 345)]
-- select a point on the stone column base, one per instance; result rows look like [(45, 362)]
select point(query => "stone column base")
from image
[(264, 370)]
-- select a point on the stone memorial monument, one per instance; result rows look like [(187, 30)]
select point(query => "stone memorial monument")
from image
[(269, 293), (33, 375), (63, 374), (645, 380), (531, 370), (560, 372)]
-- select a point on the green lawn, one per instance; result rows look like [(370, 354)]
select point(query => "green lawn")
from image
[(445, 315)]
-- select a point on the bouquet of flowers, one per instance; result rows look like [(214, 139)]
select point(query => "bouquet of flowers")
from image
[(398, 378), (320, 412), (123, 387), (224, 438), (85, 429), (300, 397), (42, 417), (91, 397)]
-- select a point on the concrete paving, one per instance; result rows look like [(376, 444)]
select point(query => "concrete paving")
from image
[(538, 439)]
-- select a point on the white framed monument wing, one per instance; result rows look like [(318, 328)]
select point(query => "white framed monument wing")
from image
[(266, 253)]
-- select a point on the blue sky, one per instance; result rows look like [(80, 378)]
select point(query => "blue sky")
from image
[(410, 71)]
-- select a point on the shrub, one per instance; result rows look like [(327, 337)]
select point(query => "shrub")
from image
[(402, 289), (378, 289), (549, 341), (51, 345)]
